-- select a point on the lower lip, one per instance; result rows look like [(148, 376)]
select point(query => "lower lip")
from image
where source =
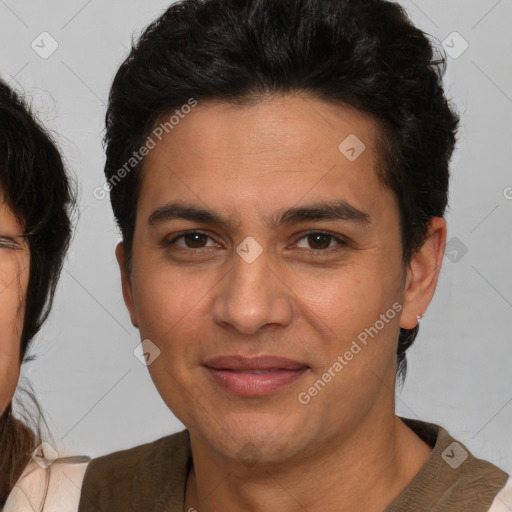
[(254, 384)]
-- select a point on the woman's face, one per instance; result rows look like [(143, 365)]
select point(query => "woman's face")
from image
[(14, 273)]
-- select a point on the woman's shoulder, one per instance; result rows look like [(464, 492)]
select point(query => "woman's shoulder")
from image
[(56, 486)]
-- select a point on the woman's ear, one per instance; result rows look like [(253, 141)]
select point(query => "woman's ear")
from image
[(126, 283), (422, 274)]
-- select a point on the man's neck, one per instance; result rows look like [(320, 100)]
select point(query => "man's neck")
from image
[(365, 473)]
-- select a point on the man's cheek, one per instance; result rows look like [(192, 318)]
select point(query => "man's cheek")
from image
[(155, 306)]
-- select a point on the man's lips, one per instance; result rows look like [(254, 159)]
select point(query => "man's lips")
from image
[(256, 376), (247, 364)]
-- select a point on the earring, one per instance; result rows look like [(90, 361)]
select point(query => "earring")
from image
[(418, 317)]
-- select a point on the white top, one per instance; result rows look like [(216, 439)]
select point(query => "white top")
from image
[(61, 482)]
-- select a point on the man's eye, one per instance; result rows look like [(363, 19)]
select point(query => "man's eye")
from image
[(191, 240), (319, 241)]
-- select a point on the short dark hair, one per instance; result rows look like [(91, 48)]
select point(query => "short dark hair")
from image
[(363, 53), (36, 188)]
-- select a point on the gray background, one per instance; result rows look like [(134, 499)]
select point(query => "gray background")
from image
[(98, 397)]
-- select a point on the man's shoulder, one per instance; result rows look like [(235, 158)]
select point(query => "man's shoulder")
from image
[(130, 476), (452, 479), (503, 500), (141, 454)]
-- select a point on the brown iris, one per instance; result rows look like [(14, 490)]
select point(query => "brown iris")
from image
[(193, 240), (319, 241)]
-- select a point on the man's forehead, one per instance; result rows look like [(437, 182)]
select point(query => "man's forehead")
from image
[(290, 122), (198, 170)]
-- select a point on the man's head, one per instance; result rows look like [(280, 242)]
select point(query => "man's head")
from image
[(308, 142)]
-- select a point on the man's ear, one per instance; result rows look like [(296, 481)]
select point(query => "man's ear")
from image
[(422, 274), (126, 283)]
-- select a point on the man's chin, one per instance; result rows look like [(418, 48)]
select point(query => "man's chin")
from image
[(253, 445)]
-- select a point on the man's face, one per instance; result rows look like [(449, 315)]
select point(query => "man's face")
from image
[(317, 284)]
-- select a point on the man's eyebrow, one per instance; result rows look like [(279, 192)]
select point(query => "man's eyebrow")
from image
[(193, 213), (337, 210), (320, 211)]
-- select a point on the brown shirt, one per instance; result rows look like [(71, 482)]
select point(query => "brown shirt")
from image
[(152, 477)]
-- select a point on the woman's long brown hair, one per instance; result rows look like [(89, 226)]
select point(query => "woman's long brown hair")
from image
[(16, 444), (36, 187)]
